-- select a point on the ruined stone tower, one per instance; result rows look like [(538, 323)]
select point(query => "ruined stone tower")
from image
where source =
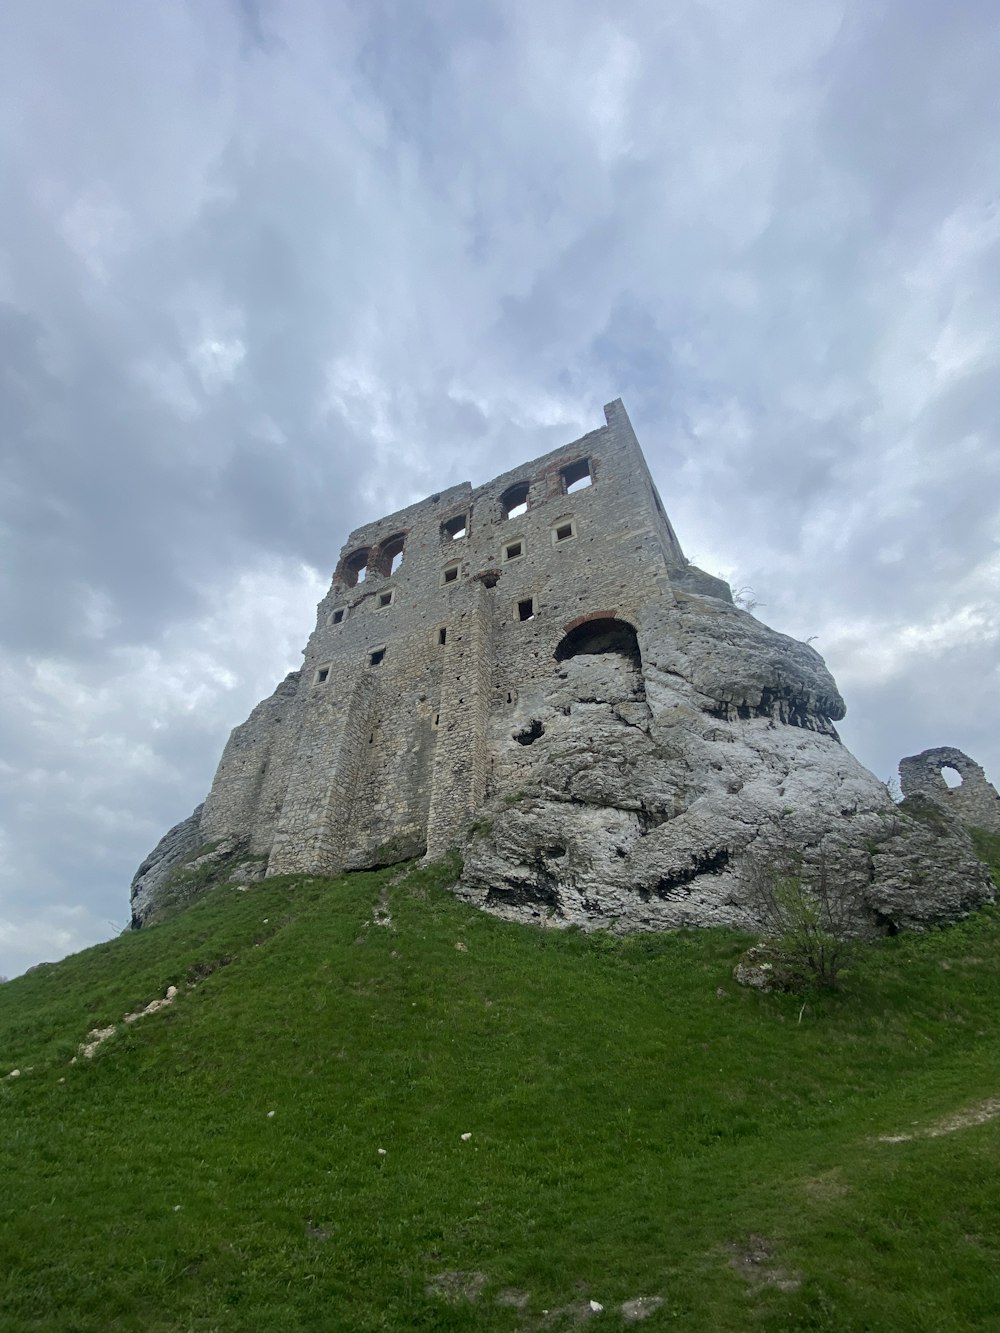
[(437, 617), (532, 671)]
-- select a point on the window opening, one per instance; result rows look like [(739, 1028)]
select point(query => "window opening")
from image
[(356, 567), (564, 532), (453, 528), (490, 579), (513, 550), (576, 476), (526, 609), (602, 635), (443, 635), (437, 719), (386, 599), (951, 776), (337, 617), (514, 500), (450, 574), (390, 555), (322, 675), (376, 656)]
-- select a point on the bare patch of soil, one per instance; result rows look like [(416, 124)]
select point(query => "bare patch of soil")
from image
[(753, 1259), (455, 1286), (974, 1115)]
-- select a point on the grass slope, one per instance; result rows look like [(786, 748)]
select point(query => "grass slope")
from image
[(640, 1127)]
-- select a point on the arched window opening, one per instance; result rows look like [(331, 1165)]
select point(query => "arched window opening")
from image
[(601, 636), (391, 553), (356, 567), (514, 500), (576, 476), (951, 776)]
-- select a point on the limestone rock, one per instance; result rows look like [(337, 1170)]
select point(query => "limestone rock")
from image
[(646, 787), (760, 969), (151, 878)]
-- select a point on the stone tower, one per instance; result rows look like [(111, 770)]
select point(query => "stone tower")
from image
[(532, 671), (438, 616)]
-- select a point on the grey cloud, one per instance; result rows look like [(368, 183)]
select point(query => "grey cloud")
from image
[(267, 272)]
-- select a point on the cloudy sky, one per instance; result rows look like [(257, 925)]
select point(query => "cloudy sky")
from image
[(272, 268)]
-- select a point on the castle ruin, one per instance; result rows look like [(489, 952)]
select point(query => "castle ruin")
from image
[(532, 671)]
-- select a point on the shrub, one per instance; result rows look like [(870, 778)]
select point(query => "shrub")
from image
[(812, 921)]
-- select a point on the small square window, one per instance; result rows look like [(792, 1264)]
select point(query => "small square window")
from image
[(564, 532), (576, 476), (376, 656), (513, 551), (322, 675), (385, 599), (450, 574), (337, 617), (526, 609), (443, 635)]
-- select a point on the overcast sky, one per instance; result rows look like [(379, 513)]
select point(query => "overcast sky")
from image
[(273, 268)]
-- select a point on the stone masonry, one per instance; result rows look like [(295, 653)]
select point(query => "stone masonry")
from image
[(531, 670), (974, 801)]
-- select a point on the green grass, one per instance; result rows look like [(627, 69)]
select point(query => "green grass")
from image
[(636, 1120)]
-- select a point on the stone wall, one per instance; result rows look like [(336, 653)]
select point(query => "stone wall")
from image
[(380, 746), (973, 802)]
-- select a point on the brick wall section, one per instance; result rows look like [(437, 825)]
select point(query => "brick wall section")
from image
[(376, 761)]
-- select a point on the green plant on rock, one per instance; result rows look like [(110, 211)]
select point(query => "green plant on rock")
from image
[(812, 921)]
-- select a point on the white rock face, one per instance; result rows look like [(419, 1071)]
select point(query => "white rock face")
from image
[(629, 793)]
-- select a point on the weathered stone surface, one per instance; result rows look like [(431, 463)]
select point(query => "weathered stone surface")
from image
[(646, 788), (926, 871), (760, 969), (975, 802), (559, 692), (151, 878)]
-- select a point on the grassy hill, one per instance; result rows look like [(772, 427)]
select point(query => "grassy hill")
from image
[(285, 1146)]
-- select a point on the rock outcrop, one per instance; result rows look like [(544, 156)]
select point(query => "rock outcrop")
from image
[(646, 787), (150, 882)]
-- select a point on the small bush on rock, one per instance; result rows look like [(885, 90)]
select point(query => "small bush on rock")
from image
[(812, 922)]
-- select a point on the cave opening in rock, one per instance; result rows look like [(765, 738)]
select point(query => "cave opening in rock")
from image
[(604, 635), (529, 734)]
